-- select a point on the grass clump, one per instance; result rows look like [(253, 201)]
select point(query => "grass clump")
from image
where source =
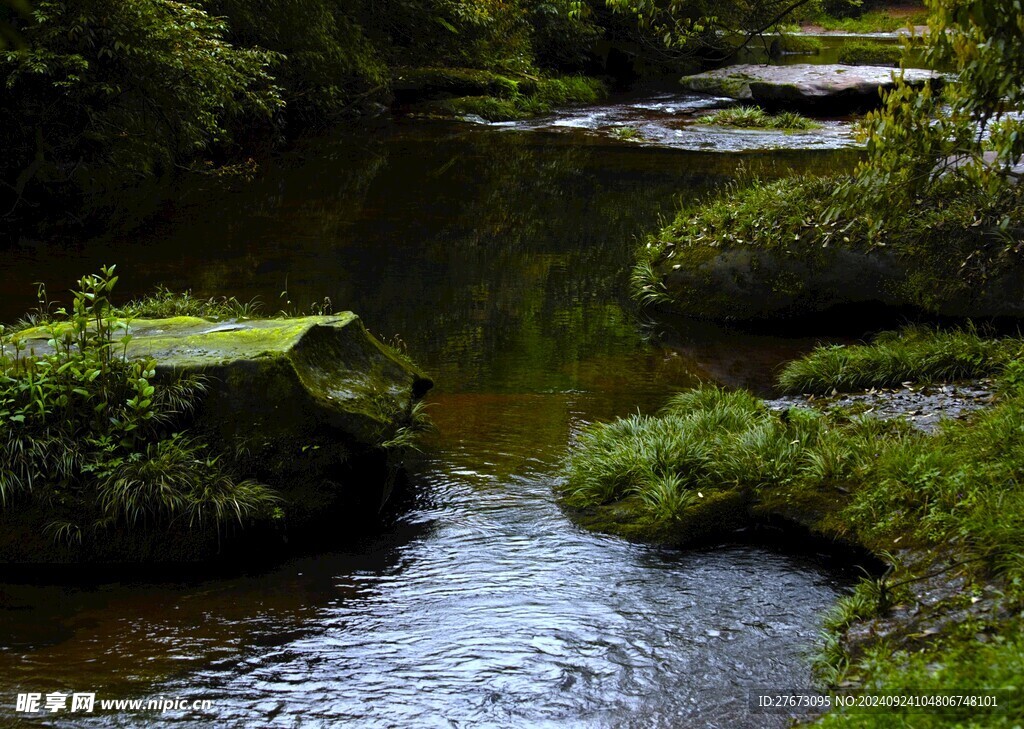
[(753, 117), (164, 303), (949, 234), (93, 440), (628, 134), (709, 443), (870, 53), (918, 354)]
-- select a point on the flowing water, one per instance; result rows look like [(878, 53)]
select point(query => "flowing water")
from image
[(500, 258)]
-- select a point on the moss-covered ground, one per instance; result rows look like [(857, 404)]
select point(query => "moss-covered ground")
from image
[(944, 512), (871, 53), (952, 236)]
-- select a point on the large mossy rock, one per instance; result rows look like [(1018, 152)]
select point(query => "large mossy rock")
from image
[(746, 284), (306, 405), (280, 377), (804, 86)]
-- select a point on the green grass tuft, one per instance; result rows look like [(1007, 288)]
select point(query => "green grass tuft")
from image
[(753, 117), (165, 303), (915, 354)]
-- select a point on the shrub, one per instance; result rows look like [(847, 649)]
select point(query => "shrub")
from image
[(109, 92), (92, 439), (327, 67)]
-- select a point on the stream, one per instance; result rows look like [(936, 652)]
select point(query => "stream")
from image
[(498, 256)]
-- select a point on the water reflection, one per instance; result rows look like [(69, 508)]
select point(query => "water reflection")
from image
[(501, 258)]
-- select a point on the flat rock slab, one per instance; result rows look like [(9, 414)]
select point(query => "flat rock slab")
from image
[(804, 85), (302, 395)]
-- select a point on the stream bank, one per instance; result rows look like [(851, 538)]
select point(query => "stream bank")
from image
[(939, 507)]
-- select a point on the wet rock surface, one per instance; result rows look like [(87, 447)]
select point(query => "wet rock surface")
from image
[(804, 85), (923, 406), (672, 120)]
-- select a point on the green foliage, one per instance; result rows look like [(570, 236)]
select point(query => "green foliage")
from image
[(174, 478), (490, 34), (327, 63), (564, 34), (881, 478), (873, 482), (870, 53), (107, 92), (962, 661), (848, 20), (951, 232), (9, 11), (971, 128), (691, 27), (708, 438), (627, 133), (90, 437), (804, 45), (915, 354), (753, 117)]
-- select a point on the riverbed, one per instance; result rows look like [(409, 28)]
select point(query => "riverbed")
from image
[(498, 257)]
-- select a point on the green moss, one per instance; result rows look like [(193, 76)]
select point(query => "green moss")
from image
[(733, 85), (797, 44), (538, 96), (869, 53)]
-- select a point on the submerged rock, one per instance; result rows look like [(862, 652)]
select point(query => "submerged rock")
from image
[(804, 85)]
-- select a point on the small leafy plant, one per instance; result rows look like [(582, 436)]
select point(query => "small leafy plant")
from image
[(92, 438)]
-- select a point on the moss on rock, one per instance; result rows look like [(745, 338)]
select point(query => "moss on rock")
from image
[(777, 250), (310, 406), (460, 93)]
